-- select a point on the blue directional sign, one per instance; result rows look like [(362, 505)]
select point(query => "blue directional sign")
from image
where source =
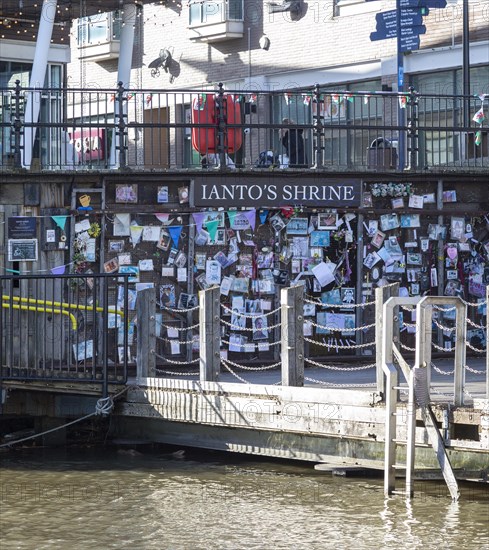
[(422, 4), (408, 18), (382, 34), (409, 43)]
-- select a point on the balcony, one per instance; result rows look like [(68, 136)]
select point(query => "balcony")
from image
[(217, 20), (98, 36), (148, 130)]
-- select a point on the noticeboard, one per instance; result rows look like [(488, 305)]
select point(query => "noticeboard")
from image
[(22, 250), (22, 227)]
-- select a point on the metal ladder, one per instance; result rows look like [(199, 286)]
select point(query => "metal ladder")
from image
[(418, 380)]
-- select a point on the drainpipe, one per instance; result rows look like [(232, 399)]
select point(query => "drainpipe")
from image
[(38, 76), (123, 72)]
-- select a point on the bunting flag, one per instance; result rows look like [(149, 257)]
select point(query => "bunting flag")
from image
[(335, 98), (306, 98), (251, 216), (175, 231), (231, 216), (478, 137), (239, 221), (163, 218), (199, 102), (211, 227), (59, 270), (136, 232), (403, 101), (60, 221), (479, 117), (252, 99), (366, 98), (198, 219), (287, 97), (263, 216)]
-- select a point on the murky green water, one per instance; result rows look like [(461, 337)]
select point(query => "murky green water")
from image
[(101, 499)]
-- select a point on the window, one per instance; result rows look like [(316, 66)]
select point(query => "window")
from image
[(99, 29), (216, 11), (354, 7)]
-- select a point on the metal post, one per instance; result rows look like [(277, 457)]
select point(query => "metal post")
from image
[(382, 294), (209, 338), (466, 62), (221, 127), (292, 318), (146, 341), (318, 130), (460, 352), (413, 128), (120, 122), (411, 435), (400, 88), (17, 126)]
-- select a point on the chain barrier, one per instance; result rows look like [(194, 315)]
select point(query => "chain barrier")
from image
[(173, 362), (344, 369), (439, 348), (477, 350), (227, 342), (338, 346), (310, 300), (178, 310), (330, 384), (473, 304), (407, 348), (336, 329), (177, 373), (238, 366), (470, 322), (180, 329), (250, 315), (474, 371), (236, 327), (234, 373), (444, 309), (442, 327), (438, 370), (170, 340)]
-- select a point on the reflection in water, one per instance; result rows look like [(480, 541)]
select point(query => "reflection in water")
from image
[(107, 500)]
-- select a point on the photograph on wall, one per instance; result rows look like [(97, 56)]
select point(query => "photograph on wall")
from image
[(164, 240), (187, 301), (327, 221), (126, 193), (162, 194), (297, 226), (320, 238), (213, 272), (260, 331)]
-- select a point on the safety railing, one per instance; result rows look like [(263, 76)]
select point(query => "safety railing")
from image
[(64, 327), (307, 129), (253, 345)]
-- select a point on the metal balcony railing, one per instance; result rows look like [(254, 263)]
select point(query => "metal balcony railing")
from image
[(308, 129)]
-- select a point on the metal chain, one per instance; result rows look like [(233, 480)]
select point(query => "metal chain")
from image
[(249, 316), (403, 346), (469, 345), (439, 348), (470, 322), (236, 327), (315, 342), (473, 304), (227, 342), (434, 367), (268, 367), (170, 340), (470, 369), (173, 362), (349, 306), (177, 373), (446, 309), (178, 310), (442, 327), (345, 369), (336, 329), (178, 328), (233, 373), (364, 385)]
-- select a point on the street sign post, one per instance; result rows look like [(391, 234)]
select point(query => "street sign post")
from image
[(406, 24)]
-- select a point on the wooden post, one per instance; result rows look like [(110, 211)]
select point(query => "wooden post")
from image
[(209, 338), (382, 294), (146, 327), (487, 344), (292, 318)]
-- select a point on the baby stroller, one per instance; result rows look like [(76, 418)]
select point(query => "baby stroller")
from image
[(267, 159)]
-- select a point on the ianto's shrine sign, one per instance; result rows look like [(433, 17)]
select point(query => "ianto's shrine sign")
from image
[(212, 193)]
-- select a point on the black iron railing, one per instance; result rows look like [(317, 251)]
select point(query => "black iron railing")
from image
[(64, 327), (105, 129)]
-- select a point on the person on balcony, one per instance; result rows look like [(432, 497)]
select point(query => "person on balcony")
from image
[(293, 142)]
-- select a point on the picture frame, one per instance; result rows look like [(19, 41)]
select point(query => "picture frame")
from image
[(164, 240), (398, 202), (213, 216), (277, 222), (327, 221), (162, 197), (126, 193), (414, 258), (320, 238), (116, 246), (378, 239), (200, 259), (297, 226), (389, 222)]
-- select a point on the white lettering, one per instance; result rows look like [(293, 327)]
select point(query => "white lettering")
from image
[(287, 193), (272, 192), (348, 192), (258, 196)]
